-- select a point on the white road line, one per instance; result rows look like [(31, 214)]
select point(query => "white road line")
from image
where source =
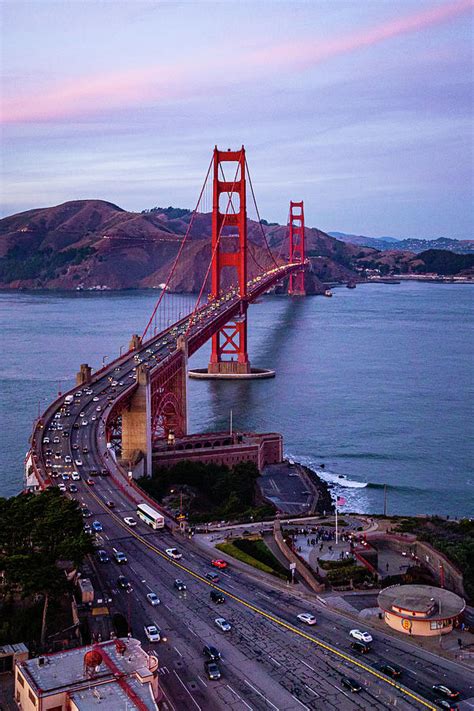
[(177, 650), (260, 694), (200, 679), (311, 690), (239, 697), (187, 690), (168, 608), (307, 665), (191, 630), (300, 703), (275, 661), (341, 690)]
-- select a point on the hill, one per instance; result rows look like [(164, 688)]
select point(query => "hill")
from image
[(407, 245)]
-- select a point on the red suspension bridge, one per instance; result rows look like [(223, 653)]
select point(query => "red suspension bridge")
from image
[(140, 398)]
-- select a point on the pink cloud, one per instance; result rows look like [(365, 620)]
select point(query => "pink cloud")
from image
[(91, 95)]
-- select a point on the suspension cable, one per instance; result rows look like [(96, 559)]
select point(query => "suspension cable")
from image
[(173, 268), (258, 215)]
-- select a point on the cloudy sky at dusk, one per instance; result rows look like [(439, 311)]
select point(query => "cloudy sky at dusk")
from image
[(362, 109)]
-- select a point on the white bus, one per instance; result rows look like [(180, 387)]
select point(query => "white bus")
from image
[(150, 516)]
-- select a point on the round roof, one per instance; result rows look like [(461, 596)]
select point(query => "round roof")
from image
[(432, 602)]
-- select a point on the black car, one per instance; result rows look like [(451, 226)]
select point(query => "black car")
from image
[(103, 556), (212, 670), (65, 433), (179, 585), (212, 577), (73, 489), (443, 690), (390, 670), (86, 512), (105, 472), (75, 426), (217, 596), (445, 704), (351, 684), (360, 647), (211, 652), (85, 450), (110, 504), (123, 582)]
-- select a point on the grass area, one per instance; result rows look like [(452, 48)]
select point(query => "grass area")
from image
[(334, 564), (256, 554)]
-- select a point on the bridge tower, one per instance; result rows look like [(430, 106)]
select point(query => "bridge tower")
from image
[(296, 253), (229, 345)]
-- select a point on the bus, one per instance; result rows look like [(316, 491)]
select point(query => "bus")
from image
[(150, 516)]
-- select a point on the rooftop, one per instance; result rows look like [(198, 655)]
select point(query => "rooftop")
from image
[(427, 600), (117, 676)]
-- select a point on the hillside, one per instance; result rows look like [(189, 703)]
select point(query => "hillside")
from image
[(93, 244), (409, 244)]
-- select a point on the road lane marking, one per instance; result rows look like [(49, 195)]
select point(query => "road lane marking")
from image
[(307, 665), (275, 661), (260, 694), (201, 679), (177, 650), (281, 623), (301, 704), (239, 697), (187, 690), (311, 690)]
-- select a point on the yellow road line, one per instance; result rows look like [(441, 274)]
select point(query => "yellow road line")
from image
[(267, 615)]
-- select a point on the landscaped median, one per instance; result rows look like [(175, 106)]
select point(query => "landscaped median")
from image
[(254, 552)]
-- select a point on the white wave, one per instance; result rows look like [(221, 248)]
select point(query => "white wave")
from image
[(327, 474)]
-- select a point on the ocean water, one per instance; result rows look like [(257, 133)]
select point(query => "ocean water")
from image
[(376, 383)]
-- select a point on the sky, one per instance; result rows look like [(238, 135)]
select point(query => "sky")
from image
[(361, 109)]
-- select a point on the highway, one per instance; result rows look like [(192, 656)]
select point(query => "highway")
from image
[(270, 660)]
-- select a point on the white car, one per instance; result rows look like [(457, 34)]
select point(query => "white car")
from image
[(361, 636), (67, 459), (84, 423), (78, 462), (98, 408), (173, 553), (62, 487), (95, 399), (223, 624), (46, 440), (130, 521), (308, 618), (153, 633), (153, 598), (75, 476)]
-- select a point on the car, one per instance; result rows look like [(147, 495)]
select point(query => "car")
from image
[(221, 564), (90, 482), (62, 487), (67, 459), (46, 440), (95, 399), (173, 553), (73, 489), (75, 476), (153, 598), (85, 450), (211, 652), (57, 455), (97, 526), (351, 684), (120, 557), (86, 513), (110, 504), (75, 447), (103, 556), (223, 625), (104, 472), (212, 577), (98, 408), (78, 462), (93, 472), (217, 597), (360, 647), (87, 528), (65, 477), (391, 670), (446, 704), (75, 426), (57, 415), (307, 617), (56, 440), (443, 690), (123, 582), (212, 670), (82, 414), (65, 433), (361, 636), (84, 423), (179, 585), (154, 633), (130, 521)]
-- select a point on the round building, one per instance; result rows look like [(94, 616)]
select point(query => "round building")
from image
[(422, 610)]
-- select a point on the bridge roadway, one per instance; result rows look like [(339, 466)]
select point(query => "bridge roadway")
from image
[(270, 660)]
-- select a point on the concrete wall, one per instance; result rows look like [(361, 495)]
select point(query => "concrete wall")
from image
[(301, 569)]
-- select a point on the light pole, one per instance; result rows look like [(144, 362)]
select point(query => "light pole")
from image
[(103, 360), (121, 348)]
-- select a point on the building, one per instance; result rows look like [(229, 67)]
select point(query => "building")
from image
[(422, 610), (11, 653), (116, 674), (221, 448)]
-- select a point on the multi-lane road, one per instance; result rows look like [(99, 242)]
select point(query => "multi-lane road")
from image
[(270, 660)]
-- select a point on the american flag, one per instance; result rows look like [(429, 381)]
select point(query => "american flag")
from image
[(340, 501)]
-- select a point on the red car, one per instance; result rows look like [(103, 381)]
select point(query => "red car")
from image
[(221, 564), (91, 482)]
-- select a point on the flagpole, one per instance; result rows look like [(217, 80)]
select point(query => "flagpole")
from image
[(336, 518)]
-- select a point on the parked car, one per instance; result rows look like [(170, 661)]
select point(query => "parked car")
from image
[(307, 618), (361, 636)]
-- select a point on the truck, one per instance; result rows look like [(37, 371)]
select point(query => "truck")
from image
[(87, 591)]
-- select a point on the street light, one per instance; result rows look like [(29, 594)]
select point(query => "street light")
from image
[(103, 360), (121, 347)]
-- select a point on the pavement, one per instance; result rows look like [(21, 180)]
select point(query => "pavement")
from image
[(287, 488)]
